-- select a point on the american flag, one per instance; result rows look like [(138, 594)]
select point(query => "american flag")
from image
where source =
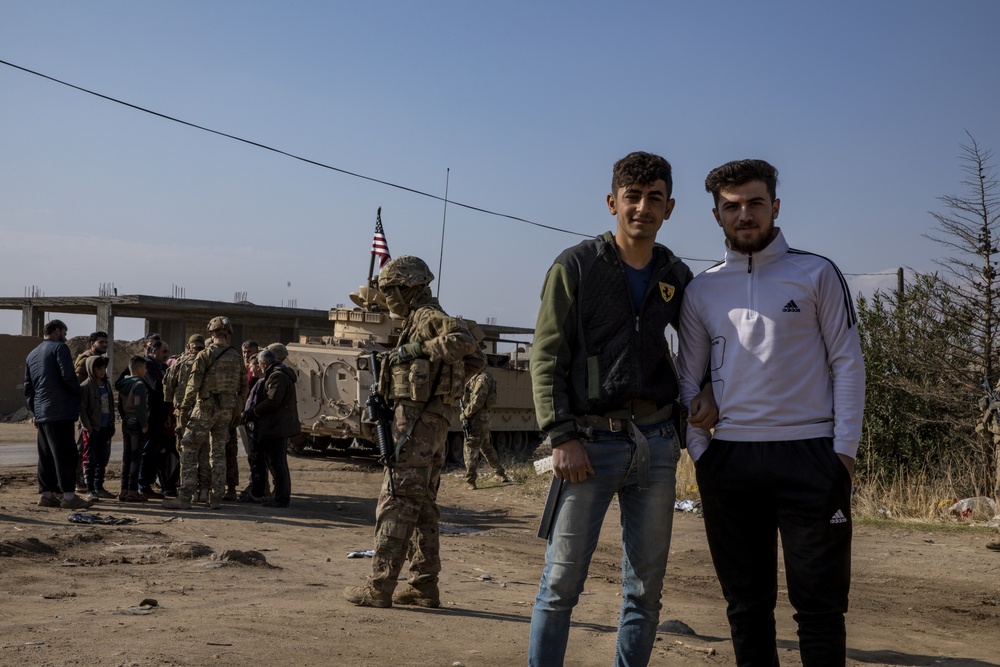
[(380, 246)]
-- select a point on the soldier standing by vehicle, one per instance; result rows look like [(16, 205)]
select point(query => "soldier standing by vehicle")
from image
[(174, 385), (480, 397), (422, 378), (212, 401)]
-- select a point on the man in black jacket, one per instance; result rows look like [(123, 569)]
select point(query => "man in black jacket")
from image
[(52, 394), (275, 418)]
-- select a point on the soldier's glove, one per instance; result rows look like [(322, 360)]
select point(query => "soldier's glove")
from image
[(405, 353)]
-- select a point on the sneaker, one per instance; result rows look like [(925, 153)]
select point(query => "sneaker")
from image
[(366, 596), (176, 504), (75, 503), (81, 488), (48, 501), (426, 595), (103, 493), (230, 494), (91, 497), (134, 497), (247, 497), (149, 494), (470, 486)]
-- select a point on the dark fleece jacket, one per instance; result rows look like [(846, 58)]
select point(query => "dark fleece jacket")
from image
[(136, 408)]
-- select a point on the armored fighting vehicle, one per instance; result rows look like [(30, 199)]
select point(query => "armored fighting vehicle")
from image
[(334, 378)]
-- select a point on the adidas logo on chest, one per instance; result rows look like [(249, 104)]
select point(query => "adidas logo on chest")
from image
[(790, 307)]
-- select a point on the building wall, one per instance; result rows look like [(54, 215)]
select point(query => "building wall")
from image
[(16, 350)]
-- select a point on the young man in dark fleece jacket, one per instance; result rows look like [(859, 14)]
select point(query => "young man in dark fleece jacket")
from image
[(604, 389)]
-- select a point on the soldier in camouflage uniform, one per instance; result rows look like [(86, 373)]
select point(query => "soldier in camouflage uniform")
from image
[(174, 386), (422, 379), (213, 400), (480, 396)]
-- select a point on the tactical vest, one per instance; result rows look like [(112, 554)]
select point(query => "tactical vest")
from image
[(420, 379), (222, 377)]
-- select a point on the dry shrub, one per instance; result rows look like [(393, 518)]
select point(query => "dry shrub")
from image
[(916, 496)]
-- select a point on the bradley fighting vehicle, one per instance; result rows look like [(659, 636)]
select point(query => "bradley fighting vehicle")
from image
[(334, 378)]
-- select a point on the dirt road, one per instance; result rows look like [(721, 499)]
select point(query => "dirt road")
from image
[(71, 594)]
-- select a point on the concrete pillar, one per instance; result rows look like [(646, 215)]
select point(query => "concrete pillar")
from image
[(32, 321), (106, 322)]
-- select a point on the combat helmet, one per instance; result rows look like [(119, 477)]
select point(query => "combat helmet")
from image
[(222, 323), (405, 271), (280, 351)]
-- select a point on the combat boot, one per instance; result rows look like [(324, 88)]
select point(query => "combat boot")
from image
[(423, 595), (367, 596), (203, 496), (215, 500), (470, 486)]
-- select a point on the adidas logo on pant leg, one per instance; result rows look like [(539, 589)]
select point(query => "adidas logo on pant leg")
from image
[(838, 517)]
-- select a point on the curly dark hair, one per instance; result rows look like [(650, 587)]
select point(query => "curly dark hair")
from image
[(641, 168), (740, 172)]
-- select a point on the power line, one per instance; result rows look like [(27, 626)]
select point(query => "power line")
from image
[(338, 169), (292, 155)]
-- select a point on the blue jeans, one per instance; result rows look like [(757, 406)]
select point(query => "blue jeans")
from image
[(646, 520)]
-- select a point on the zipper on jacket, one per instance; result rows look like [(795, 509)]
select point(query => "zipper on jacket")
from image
[(749, 263)]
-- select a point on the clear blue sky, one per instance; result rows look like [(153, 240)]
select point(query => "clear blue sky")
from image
[(862, 106)]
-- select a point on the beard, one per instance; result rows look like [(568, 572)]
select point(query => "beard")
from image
[(755, 245)]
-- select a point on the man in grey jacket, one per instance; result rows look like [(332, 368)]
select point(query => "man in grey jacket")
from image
[(52, 393)]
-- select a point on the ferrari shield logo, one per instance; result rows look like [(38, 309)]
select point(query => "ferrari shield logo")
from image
[(667, 292)]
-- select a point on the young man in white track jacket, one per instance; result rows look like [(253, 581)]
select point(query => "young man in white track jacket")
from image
[(777, 329)]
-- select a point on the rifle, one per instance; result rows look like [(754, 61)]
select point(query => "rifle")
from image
[(465, 422), (378, 414)]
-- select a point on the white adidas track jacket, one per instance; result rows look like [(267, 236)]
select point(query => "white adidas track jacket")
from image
[(778, 331)]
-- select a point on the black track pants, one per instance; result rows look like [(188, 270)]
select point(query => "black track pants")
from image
[(752, 492)]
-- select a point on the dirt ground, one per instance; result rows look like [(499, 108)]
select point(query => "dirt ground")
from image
[(73, 594)]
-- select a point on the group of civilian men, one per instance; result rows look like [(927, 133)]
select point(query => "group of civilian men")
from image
[(191, 459)]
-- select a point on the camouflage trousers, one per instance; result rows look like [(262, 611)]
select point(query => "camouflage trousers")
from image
[(413, 514), (207, 431), (479, 441), (204, 466)]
